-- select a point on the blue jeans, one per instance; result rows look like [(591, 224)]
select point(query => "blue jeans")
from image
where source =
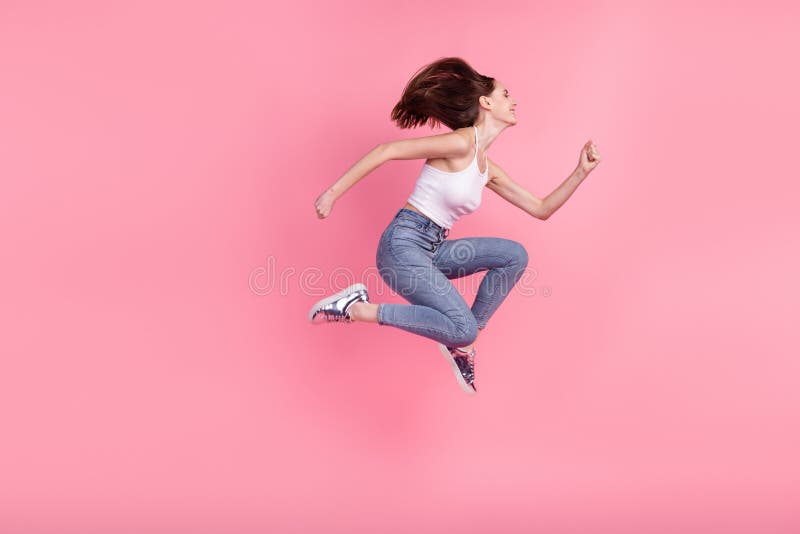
[(417, 261)]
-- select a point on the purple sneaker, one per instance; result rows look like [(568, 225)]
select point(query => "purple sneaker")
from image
[(463, 364)]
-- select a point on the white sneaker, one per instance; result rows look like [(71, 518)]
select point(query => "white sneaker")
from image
[(334, 308)]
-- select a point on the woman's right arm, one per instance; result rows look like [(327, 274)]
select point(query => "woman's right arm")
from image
[(374, 159), (450, 144)]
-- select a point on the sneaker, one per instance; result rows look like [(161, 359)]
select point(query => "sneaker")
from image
[(334, 308), (463, 366)]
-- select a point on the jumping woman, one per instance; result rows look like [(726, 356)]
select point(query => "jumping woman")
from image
[(414, 257)]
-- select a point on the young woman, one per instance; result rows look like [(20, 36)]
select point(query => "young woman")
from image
[(414, 256)]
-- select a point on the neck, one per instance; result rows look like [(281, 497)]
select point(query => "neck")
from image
[(488, 131)]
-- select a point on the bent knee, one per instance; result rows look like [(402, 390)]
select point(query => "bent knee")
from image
[(518, 254), (468, 333)]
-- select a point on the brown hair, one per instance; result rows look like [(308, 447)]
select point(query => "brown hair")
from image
[(445, 91)]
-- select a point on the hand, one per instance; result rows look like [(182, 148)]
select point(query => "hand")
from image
[(324, 204), (589, 157)]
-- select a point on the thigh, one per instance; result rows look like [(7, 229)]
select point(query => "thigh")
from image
[(405, 263), (468, 255)]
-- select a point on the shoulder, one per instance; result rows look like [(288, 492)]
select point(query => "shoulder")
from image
[(467, 140), (466, 135)]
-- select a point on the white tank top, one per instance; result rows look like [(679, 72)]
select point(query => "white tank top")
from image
[(445, 196)]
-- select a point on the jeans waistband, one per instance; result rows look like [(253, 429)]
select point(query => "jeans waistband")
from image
[(426, 222)]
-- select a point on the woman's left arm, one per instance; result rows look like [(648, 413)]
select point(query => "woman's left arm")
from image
[(502, 184), (542, 208)]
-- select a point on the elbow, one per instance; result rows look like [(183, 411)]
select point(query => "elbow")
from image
[(384, 151), (540, 210)]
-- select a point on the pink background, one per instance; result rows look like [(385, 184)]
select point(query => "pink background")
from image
[(158, 157)]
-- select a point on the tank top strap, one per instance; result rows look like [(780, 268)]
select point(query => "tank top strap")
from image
[(486, 159)]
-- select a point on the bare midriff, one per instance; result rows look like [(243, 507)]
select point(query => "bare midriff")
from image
[(412, 208)]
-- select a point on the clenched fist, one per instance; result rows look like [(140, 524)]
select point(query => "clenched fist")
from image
[(589, 157), (324, 204)]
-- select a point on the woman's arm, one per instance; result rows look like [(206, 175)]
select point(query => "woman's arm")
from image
[(587, 161), (554, 200), (373, 159), (451, 144), (502, 184)]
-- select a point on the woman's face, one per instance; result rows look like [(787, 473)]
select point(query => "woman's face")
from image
[(503, 104)]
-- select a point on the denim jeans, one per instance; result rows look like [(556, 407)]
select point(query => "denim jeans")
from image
[(417, 261)]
